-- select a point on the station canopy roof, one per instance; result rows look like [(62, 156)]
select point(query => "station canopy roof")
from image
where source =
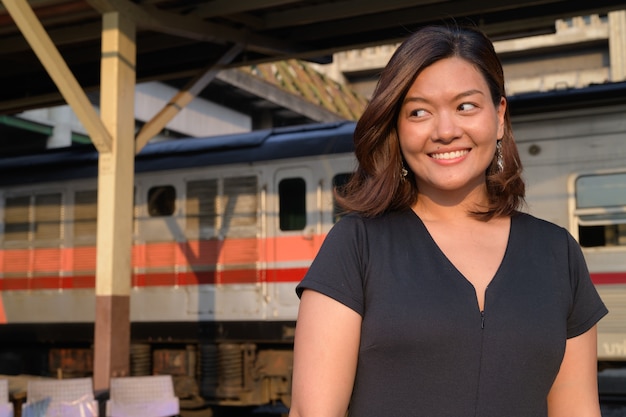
[(177, 39)]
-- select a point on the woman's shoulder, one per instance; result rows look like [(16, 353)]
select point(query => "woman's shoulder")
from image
[(356, 227), (531, 225)]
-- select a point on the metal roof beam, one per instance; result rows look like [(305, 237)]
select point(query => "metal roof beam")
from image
[(228, 7), (59, 36), (150, 17), (329, 12)]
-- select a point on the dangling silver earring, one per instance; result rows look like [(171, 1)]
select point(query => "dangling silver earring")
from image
[(403, 173), (499, 157)]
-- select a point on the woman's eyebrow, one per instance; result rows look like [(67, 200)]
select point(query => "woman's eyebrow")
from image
[(419, 99)]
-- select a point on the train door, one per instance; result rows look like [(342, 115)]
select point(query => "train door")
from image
[(158, 249), (598, 221), (33, 240), (297, 236)]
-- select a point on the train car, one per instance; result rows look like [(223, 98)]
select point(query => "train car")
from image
[(225, 227), (573, 147)]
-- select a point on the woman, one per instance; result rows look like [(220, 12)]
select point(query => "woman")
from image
[(436, 296)]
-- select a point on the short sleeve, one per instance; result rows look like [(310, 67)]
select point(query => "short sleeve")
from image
[(587, 306), (338, 268)]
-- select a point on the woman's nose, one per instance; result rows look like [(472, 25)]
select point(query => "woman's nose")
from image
[(447, 127)]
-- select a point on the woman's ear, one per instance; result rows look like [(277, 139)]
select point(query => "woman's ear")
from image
[(501, 112)]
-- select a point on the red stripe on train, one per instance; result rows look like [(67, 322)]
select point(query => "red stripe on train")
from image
[(601, 278), (241, 276), (244, 276)]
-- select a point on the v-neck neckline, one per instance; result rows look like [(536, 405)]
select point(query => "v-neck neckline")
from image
[(495, 276)]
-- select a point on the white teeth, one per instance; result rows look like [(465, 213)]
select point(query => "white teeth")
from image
[(449, 155)]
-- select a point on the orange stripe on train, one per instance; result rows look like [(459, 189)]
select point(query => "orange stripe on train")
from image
[(165, 254)]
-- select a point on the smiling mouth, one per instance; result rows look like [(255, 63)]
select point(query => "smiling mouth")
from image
[(449, 155)]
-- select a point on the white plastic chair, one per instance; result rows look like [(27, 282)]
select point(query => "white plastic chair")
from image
[(64, 398), (142, 396), (6, 406)]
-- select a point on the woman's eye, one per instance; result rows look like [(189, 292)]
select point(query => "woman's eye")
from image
[(466, 107), (418, 113)]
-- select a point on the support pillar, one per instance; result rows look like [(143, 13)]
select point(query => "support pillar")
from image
[(617, 45), (115, 202)]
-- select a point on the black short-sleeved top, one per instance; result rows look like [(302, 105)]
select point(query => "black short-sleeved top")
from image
[(426, 349)]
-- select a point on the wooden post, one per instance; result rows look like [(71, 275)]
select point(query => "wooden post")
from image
[(617, 45), (115, 202)]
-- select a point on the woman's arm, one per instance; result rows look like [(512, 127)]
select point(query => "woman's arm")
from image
[(575, 390), (325, 357)]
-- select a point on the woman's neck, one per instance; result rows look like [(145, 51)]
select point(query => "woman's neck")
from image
[(449, 205)]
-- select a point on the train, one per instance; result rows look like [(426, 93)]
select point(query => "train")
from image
[(226, 226)]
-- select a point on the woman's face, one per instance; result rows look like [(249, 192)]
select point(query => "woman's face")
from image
[(448, 127)]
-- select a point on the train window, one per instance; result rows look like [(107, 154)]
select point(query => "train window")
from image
[(601, 209), (201, 208), (339, 180), (239, 205), (85, 214), (292, 204), (17, 219), (161, 200), (47, 224), (36, 218)]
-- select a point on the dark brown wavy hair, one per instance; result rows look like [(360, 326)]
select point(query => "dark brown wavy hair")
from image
[(377, 186)]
